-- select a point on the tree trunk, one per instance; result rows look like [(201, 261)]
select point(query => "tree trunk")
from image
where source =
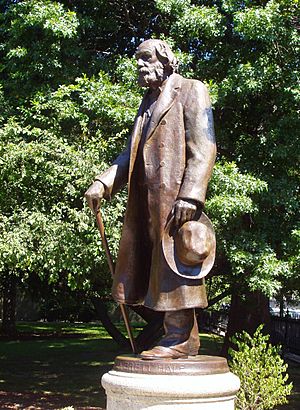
[(111, 329), (247, 314), (9, 305), (281, 306), (149, 315), (147, 336)]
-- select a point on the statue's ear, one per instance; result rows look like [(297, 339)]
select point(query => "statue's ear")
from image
[(166, 56), (162, 53)]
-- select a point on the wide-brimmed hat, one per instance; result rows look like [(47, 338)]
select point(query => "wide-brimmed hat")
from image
[(190, 250)]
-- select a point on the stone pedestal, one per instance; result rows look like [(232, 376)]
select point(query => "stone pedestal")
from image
[(201, 382)]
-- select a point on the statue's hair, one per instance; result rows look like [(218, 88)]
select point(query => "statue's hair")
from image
[(164, 54)]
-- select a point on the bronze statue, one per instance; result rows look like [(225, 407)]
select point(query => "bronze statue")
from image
[(168, 243)]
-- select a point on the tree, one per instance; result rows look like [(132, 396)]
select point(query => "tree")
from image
[(54, 139), (69, 97), (248, 55)]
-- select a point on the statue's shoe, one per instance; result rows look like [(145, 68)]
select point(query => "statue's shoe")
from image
[(162, 352)]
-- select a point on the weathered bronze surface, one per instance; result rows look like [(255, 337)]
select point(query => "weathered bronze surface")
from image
[(167, 165), (196, 365)]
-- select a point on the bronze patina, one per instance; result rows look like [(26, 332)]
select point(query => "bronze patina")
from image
[(167, 244)]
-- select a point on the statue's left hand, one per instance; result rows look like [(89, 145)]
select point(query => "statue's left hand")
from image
[(184, 211)]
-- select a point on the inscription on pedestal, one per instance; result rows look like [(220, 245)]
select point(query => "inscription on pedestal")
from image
[(191, 366)]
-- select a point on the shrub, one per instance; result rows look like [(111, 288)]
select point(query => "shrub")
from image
[(261, 370)]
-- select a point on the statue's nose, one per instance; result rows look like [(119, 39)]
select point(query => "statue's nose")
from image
[(140, 63)]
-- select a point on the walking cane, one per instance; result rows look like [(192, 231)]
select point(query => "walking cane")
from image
[(112, 271)]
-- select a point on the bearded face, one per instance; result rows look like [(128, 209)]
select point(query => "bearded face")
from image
[(150, 69), (151, 75)]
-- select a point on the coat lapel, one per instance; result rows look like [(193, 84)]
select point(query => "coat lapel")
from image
[(164, 102), (135, 137)]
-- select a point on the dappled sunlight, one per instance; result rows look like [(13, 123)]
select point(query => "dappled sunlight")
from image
[(58, 366), (52, 373), (41, 401), (97, 363)]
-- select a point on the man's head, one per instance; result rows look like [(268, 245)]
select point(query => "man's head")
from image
[(156, 62)]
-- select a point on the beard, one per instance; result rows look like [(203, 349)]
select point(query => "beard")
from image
[(151, 76)]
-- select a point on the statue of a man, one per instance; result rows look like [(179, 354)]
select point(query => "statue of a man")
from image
[(167, 244)]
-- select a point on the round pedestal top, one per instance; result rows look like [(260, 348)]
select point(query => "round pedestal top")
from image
[(193, 365)]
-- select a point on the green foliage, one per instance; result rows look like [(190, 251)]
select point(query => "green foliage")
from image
[(52, 144), (45, 169), (68, 98), (48, 15), (230, 192), (39, 39), (261, 370), (191, 21)]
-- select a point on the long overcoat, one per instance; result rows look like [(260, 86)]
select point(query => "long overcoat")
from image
[(177, 157)]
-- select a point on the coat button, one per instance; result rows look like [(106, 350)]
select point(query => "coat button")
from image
[(162, 185), (162, 163), (163, 122), (162, 144)]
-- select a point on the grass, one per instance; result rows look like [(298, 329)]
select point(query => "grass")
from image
[(69, 366), (64, 360), (55, 365)]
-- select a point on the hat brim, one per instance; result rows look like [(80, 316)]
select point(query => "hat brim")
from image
[(190, 272)]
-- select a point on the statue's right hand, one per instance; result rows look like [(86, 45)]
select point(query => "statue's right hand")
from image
[(94, 195)]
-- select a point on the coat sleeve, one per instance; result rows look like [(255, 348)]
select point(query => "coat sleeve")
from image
[(200, 143), (116, 176)]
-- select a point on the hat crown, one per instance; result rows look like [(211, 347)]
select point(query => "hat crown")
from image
[(193, 243), (190, 250)]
